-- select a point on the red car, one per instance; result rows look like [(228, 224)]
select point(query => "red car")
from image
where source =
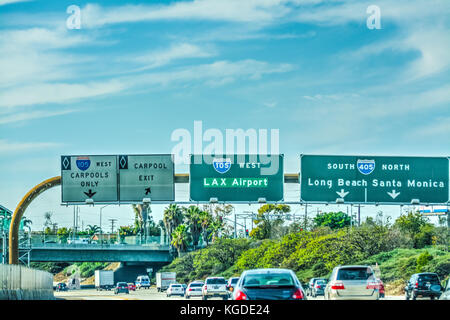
[(131, 287)]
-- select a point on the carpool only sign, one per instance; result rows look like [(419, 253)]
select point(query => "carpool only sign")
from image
[(237, 178), (89, 177), (374, 179)]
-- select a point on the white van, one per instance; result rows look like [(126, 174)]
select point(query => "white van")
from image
[(142, 282)]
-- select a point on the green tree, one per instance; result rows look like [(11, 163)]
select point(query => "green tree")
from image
[(172, 218), (423, 260), (63, 233), (193, 219), (334, 220), (411, 224), (269, 219), (181, 238)]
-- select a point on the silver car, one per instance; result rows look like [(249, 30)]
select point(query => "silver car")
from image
[(352, 283)]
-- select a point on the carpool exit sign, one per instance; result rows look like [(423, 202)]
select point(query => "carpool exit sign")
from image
[(374, 179), (238, 178)]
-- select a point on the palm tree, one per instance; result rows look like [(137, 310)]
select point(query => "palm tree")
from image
[(173, 216), (48, 218), (180, 238), (215, 227), (92, 229), (205, 219), (193, 217)]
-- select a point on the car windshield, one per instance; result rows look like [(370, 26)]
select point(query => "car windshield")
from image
[(358, 273), (268, 280), (216, 281)]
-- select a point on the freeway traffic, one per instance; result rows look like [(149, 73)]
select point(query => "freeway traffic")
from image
[(151, 294)]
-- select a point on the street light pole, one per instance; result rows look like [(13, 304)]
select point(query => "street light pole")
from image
[(101, 222)]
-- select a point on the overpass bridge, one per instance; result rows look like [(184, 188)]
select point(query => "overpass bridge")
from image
[(55, 252)]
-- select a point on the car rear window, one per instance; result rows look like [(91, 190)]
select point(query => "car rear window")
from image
[(196, 285), (176, 285), (354, 274), (429, 277), (264, 279), (235, 280), (122, 284), (216, 281)]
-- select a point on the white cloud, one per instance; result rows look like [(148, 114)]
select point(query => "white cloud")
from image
[(5, 2), (179, 51), (15, 147), (219, 10), (33, 55), (24, 116), (57, 92), (216, 73)]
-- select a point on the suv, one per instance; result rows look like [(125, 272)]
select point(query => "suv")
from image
[(142, 282), (352, 283), (425, 284), (215, 287)]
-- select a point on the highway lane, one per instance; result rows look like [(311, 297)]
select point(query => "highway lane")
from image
[(145, 294)]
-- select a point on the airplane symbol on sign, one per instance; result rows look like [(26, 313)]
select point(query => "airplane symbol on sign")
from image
[(147, 191)]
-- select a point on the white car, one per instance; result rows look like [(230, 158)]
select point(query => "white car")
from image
[(175, 289), (215, 287), (194, 289)]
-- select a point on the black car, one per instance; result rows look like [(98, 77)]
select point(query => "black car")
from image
[(423, 285), (61, 287), (121, 287), (268, 284)]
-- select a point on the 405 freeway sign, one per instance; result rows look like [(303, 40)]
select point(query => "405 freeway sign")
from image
[(374, 179), (239, 178)]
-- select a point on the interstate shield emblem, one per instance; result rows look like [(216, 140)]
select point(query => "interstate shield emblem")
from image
[(222, 165), (366, 166), (83, 163)]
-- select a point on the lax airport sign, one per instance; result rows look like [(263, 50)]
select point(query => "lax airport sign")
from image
[(237, 178), (374, 179), (115, 179)]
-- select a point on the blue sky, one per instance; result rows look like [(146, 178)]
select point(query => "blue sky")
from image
[(137, 71)]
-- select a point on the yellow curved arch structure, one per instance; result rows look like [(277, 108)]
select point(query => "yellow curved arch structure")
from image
[(18, 213)]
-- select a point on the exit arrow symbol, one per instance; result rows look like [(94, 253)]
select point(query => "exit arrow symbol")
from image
[(342, 194), (147, 191), (393, 194), (90, 194)]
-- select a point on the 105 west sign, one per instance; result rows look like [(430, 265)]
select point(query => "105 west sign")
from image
[(245, 178), (374, 179)]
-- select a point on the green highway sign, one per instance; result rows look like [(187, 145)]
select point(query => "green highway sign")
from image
[(374, 179), (146, 176), (89, 177), (237, 178)]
